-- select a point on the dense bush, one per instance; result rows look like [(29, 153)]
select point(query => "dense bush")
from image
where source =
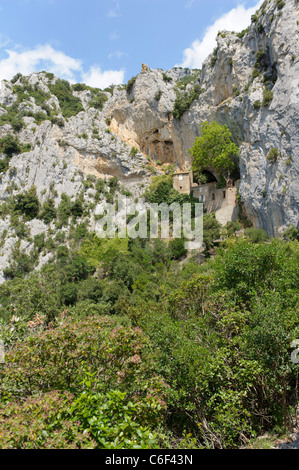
[(280, 4), (256, 235), (69, 104), (162, 190), (273, 155), (9, 145), (214, 57), (130, 85), (28, 203), (48, 211), (98, 100), (211, 231), (267, 97), (184, 100), (124, 343)]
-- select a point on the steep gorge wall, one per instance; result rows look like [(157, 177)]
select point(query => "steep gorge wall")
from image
[(269, 191)]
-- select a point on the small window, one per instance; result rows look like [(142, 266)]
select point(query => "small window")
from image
[(224, 195), (181, 187), (213, 196)]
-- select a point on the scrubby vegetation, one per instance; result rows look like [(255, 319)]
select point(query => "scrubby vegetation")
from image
[(185, 99), (69, 104), (136, 343), (130, 85), (126, 344), (215, 149)]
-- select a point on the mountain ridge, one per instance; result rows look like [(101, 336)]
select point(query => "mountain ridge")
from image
[(69, 135)]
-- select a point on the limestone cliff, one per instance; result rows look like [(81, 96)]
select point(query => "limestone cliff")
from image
[(250, 82)]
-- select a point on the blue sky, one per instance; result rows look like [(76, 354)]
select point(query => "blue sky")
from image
[(101, 42)]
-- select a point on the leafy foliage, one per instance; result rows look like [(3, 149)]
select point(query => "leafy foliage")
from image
[(214, 148), (184, 100), (9, 145), (69, 104), (130, 85), (28, 203), (162, 191)]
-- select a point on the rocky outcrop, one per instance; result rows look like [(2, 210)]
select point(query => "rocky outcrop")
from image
[(233, 83), (250, 83)]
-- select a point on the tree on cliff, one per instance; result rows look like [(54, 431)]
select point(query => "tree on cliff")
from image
[(214, 149)]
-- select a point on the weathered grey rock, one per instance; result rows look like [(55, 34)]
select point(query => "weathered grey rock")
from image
[(269, 191), (100, 143)]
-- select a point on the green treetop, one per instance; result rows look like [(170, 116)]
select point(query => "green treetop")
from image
[(214, 149)]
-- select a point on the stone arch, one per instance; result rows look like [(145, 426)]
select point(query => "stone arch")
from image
[(211, 176)]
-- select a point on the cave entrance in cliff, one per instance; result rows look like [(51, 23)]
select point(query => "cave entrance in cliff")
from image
[(209, 177)]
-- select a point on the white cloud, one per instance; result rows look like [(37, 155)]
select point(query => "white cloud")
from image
[(236, 19), (45, 57), (114, 36), (117, 55), (114, 13), (189, 3), (96, 78), (41, 57)]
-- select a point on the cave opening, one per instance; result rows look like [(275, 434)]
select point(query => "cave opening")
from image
[(205, 177)]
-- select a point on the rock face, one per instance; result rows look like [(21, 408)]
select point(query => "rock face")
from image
[(250, 83), (233, 81)]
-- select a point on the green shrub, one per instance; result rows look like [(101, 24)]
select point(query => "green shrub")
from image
[(273, 155), (130, 85), (260, 58), (184, 100), (39, 242), (21, 265), (257, 104), (64, 209), (291, 234), (232, 228), (69, 104), (243, 32), (162, 190), (58, 121), (41, 422), (255, 74), (16, 78), (214, 57), (9, 145), (166, 78), (98, 101), (176, 248), (133, 151), (256, 235), (280, 4), (68, 293), (4, 165), (48, 211), (211, 231), (79, 87), (27, 203), (267, 97), (49, 75), (39, 117)]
